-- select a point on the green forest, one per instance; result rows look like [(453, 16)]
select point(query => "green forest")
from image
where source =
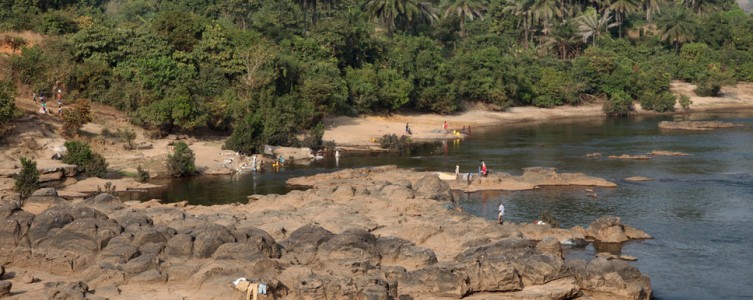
[(269, 71)]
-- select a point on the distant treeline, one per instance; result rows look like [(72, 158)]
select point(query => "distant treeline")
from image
[(269, 70)]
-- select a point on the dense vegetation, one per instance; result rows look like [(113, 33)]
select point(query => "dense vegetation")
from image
[(268, 69), (7, 106)]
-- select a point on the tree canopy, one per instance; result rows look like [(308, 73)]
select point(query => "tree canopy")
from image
[(269, 70)]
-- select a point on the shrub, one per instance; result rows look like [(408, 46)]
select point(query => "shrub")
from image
[(711, 83), (109, 188), (142, 175), (660, 102), (76, 116), (685, 102), (619, 104), (27, 180), (392, 142), (128, 135), (182, 161), (89, 162)]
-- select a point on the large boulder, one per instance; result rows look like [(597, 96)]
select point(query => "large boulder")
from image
[(302, 244), (84, 236), (607, 229), (397, 251), (238, 251), (180, 245), (611, 277), (120, 249), (52, 219), (14, 227), (140, 264), (440, 280), (209, 237), (132, 221), (105, 202), (532, 266), (354, 248), (259, 240), (42, 199), (66, 290), (430, 186)]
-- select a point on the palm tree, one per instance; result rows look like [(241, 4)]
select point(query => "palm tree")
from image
[(652, 7), (465, 9), (622, 8), (677, 27), (701, 7), (590, 25), (563, 39), (543, 11), (521, 8), (392, 12)]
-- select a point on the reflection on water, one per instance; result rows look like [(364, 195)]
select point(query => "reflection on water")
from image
[(698, 207)]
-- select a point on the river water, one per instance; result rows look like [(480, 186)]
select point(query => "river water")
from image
[(699, 208)]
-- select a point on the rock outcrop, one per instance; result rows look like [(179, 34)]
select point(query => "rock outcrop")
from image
[(375, 233), (696, 125)]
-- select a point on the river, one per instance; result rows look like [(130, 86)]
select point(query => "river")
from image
[(699, 208)]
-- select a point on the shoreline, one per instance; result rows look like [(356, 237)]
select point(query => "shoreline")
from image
[(358, 133), (38, 135)]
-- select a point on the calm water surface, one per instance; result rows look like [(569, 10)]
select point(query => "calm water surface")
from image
[(699, 208)]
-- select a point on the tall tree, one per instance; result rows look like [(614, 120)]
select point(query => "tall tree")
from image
[(403, 12), (621, 8), (652, 7), (521, 9), (591, 25), (544, 11), (465, 9), (563, 39), (702, 7), (677, 27)]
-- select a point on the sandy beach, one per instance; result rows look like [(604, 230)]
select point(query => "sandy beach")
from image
[(362, 131)]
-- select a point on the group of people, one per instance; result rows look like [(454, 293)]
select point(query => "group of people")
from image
[(43, 101)]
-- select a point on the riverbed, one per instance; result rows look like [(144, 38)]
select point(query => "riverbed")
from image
[(698, 207)]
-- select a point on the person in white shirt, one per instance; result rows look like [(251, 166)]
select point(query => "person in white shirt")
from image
[(501, 213)]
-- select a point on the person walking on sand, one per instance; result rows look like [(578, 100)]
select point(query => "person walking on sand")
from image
[(407, 129), (483, 168), (445, 126), (501, 213), (34, 97)]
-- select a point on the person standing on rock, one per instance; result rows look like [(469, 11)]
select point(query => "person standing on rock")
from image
[(501, 213)]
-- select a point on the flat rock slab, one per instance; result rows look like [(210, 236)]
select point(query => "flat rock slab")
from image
[(89, 185), (696, 125), (638, 179)]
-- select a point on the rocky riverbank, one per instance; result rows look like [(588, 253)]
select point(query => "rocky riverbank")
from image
[(380, 233)]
